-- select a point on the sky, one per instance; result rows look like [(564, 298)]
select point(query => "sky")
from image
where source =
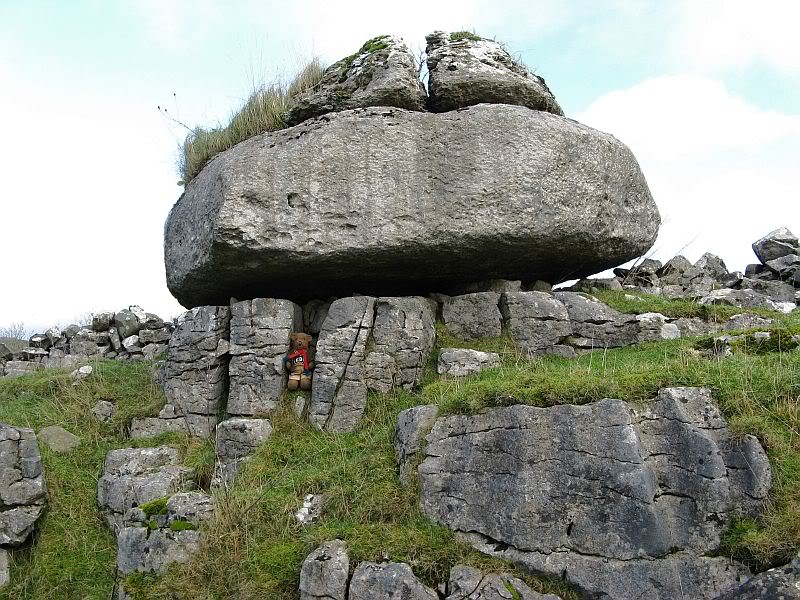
[(705, 92)]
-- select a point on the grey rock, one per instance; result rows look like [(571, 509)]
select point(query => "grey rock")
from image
[(460, 202), (780, 583), (694, 326), (471, 71), (104, 411), (777, 291), (86, 342), (18, 368), (140, 549), (539, 286), (655, 326), (382, 73), (151, 322), (126, 323), (102, 321), (135, 476), (132, 344), (311, 510), (497, 286), (40, 341), (154, 336), (461, 362), (413, 424), (190, 507), (71, 330), (23, 492), (5, 568), (33, 354), (753, 270), (473, 316), (387, 581), (259, 336), (151, 351), (59, 440), (240, 437), (744, 298), (5, 352), (599, 283), (314, 313), (786, 267), (145, 427), (467, 583), (339, 390), (81, 373), (402, 338), (776, 244), (746, 321), (712, 266), (536, 320), (601, 492), (324, 573), (196, 368), (595, 325)]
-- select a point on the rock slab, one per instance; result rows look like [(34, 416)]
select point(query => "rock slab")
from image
[(23, 492)]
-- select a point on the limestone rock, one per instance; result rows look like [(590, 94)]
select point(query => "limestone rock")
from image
[(413, 424), (339, 390), (102, 321), (615, 498), (237, 439), (5, 568), (196, 369), (776, 244), (18, 368), (23, 492), (712, 266), (431, 201), (777, 291), (387, 581), (467, 583), (190, 507), (473, 316), (746, 321), (104, 411), (135, 476), (595, 325), (126, 323), (81, 373), (145, 427), (460, 362), (382, 73), (655, 326), (143, 550), (59, 439), (311, 509), (740, 298), (324, 573), (259, 336), (535, 320), (780, 583), (471, 70), (402, 338)]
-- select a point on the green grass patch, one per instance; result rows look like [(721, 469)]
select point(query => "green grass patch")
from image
[(504, 345), (263, 111), (465, 35), (254, 549), (74, 553), (155, 507), (179, 525)]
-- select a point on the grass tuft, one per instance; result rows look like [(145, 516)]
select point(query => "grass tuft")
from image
[(465, 35)]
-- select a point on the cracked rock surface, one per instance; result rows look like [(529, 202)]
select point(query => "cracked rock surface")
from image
[(339, 389), (23, 492), (473, 316), (196, 370), (460, 362), (610, 496), (596, 325), (536, 320), (237, 439), (387, 581), (324, 573), (780, 583), (468, 583), (259, 341), (413, 424)]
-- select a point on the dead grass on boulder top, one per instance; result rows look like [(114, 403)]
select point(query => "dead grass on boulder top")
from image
[(263, 111)]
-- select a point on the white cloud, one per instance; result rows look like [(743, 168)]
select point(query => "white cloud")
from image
[(731, 34), (722, 171)]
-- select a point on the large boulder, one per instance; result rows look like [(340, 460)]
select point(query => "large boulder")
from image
[(382, 73), (23, 493), (776, 244), (465, 69), (612, 497), (392, 202)]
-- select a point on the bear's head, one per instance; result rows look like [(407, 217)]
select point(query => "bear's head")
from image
[(299, 341)]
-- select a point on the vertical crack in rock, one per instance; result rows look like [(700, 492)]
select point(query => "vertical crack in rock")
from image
[(615, 496)]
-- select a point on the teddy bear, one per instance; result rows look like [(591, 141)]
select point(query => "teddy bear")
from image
[(298, 362)]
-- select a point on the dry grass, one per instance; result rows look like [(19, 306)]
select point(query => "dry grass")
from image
[(265, 110)]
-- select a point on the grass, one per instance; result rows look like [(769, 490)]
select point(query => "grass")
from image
[(263, 111), (254, 548), (465, 35), (74, 554)]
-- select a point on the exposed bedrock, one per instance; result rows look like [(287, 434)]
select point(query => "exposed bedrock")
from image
[(611, 496), (390, 202)]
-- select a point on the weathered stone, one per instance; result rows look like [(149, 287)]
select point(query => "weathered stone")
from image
[(311, 510), (402, 338), (473, 316), (740, 298), (140, 549), (339, 390), (59, 440), (85, 342), (190, 507), (712, 266), (259, 339), (387, 581), (599, 283), (694, 326), (314, 313), (40, 341), (780, 583), (104, 411), (324, 573), (655, 326), (595, 325), (240, 437), (126, 323), (609, 495), (18, 368), (786, 267), (132, 344), (777, 291), (413, 424), (5, 568), (448, 191), (776, 244), (5, 352), (467, 583), (151, 351), (536, 320), (23, 492), (145, 427), (33, 354), (154, 336), (196, 370), (468, 70), (460, 362), (102, 321), (746, 321), (135, 476), (81, 373), (152, 322), (382, 73)]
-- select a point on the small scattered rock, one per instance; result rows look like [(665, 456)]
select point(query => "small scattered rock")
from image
[(59, 439), (104, 411), (460, 362), (311, 510), (81, 373)]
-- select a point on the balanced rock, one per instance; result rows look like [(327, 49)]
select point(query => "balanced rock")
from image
[(614, 498), (392, 202), (381, 73), (465, 69), (776, 244)]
